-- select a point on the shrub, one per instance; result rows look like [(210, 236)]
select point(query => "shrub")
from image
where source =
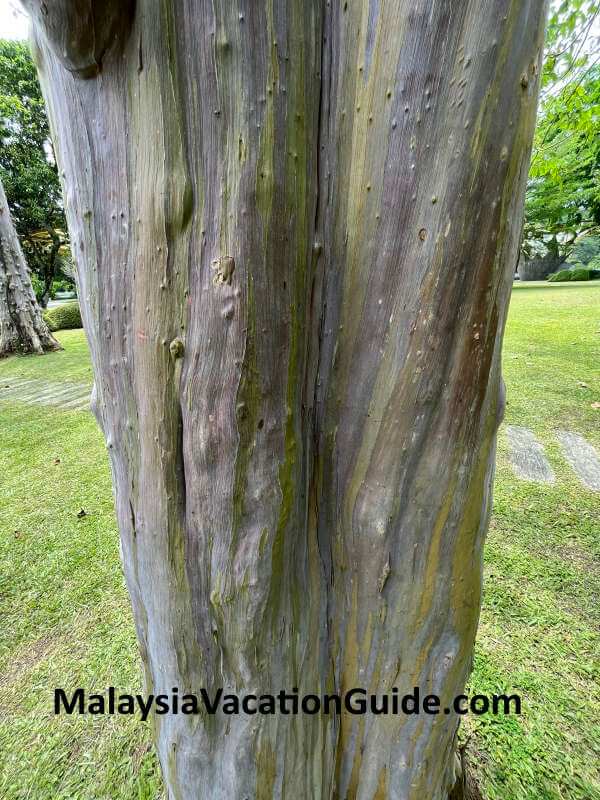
[(577, 274), (38, 286), (582, 274), (63, 317), (561, 275), (63, 285)]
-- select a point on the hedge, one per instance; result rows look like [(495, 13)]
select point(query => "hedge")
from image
[(577, 274), (63, 317)]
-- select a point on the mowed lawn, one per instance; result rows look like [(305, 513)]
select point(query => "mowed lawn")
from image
[(65, 617), (539, 634)]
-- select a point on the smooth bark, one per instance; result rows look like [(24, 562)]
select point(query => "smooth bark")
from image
[(296, 225), (22, 329)]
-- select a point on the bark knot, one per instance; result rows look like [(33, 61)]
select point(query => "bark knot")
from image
[(224, 266), (385, 573), (177, 348), (81, 33)]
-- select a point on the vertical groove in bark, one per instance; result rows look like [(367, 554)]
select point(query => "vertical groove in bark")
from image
[(22, 329), (295, 225)]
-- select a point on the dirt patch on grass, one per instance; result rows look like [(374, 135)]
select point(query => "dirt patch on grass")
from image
[(139, 754), (25, 660), (577, 556)]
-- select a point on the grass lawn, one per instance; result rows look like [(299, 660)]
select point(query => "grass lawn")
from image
[(540, 629), (66, 620), (64, 610)]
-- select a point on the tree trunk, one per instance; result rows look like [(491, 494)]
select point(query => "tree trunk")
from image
[(50, 266), (22, 329), (295, 225)]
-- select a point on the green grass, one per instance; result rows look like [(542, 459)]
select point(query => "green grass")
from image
[(70, 364), (64, 610), (66, 620), (539, 631)]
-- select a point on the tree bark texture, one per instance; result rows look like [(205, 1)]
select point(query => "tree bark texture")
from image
[(22, 329), (295, 224)]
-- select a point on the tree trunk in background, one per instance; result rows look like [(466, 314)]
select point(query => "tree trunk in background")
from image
[(296, 225), (22, 329)]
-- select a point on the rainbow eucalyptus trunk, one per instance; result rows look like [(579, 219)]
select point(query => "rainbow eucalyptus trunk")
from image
[(22, 329), (296, 224)]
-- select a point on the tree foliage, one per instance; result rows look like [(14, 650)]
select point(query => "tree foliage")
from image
[(27, 166), (586, 251), (569, 41), (563, 196)]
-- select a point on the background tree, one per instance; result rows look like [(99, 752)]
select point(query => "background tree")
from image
[(28, 168), (563, 194), (586, 252), (22, 329), (295, 226), (570, 45)]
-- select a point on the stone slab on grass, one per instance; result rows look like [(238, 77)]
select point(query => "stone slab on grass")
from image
[(582, 457), (64, 395), (527, 456)]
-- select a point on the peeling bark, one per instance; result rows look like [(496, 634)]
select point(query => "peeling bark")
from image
[(295, 226), (22, 329)]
